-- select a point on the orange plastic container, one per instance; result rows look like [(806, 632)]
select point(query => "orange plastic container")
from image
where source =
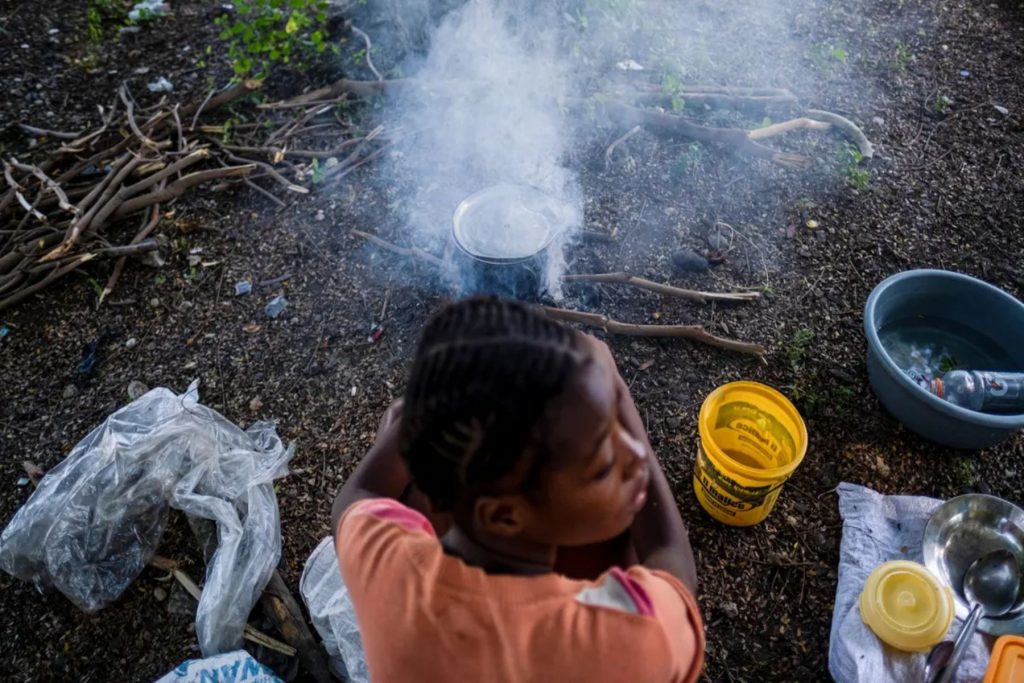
[(1007, 662)]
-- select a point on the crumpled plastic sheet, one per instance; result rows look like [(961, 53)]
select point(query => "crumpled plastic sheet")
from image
[(97, 518), (876, 529), (332, 613)]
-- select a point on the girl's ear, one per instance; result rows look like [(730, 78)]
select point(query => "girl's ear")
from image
[(499, 515)]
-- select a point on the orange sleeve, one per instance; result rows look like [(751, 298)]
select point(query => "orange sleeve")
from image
[(677, 611), (369, 535)]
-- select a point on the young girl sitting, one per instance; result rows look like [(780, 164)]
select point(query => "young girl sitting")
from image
[(516, 460)]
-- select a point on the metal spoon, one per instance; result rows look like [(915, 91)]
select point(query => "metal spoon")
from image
[(991, 585), (937, 659)]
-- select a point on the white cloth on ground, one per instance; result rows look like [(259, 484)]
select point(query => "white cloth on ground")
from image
[(876, 529)]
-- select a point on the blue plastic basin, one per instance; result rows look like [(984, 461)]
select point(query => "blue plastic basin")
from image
[(962, 301)]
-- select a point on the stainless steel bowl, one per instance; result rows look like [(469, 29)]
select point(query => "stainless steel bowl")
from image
[(963, 529)]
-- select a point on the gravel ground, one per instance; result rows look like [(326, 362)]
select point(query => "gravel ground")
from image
[(944, 191)]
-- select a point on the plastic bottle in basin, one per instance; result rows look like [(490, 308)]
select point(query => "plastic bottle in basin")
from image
[(982, 390)]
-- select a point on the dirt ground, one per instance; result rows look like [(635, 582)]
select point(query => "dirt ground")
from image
[(945, 191)]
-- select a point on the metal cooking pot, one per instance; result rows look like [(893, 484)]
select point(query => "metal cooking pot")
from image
[(502, 235)]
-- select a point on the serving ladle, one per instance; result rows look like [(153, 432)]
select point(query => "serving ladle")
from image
[(991, 585)]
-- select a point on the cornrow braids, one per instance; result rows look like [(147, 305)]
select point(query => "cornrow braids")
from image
[(485, 370)]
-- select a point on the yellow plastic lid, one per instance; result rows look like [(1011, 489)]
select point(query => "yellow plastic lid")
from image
[(906, 606), (1007, 662)]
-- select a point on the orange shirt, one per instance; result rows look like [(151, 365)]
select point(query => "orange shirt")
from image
[(427, 616)]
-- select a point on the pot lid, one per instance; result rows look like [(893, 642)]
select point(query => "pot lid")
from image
[(506, 222), (906, 606)]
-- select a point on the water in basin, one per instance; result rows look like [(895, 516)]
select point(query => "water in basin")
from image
[(928, 347)]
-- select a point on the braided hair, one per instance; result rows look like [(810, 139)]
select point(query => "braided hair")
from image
[(484, 373)]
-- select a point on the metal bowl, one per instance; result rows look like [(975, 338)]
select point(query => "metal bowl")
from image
[(963, 529)]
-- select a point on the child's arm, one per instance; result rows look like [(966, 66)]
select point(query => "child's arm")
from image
[(381, 474), (659, 534)]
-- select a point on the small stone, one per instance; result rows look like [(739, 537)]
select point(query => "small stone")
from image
[(160, 594), (131, 343), (136, 389), (154, 302), (812, 224), (255, 404), (730, 609), (791, 520), (70, 391), (690, 261), (1002, 110), (331, 162), (242, 287), (141, 71), (965, 73), (877, 120), (717, 241), (320, 215), (23, 481)]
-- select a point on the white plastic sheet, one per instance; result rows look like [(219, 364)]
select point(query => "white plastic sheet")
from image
[(330, 609), (876, 529), (97, 518)]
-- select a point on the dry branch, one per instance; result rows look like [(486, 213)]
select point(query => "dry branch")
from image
[(667, 290), (693, 332), (786, 126), (867, 150), (668, 125), (414, 252)]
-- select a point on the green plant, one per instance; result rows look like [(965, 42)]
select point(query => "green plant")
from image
[(267, 32), (825, 56), (671, 87), (103, 14), (856, 175), (940, 105), (689, 161), (903, 57), (797, 346)]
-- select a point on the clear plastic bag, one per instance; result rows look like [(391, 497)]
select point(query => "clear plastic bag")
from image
[(330, 609), (97, 518)]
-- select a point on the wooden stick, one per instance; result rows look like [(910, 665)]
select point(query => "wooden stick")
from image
[(693, 332), (279, 603), (130, 114), (867, 150), (251, 634), (369, 47), (667, 125), (178, 187), (153, 221), (415, 252), (618, 141), (60, 135), (62, 198), (668, 290), (786, 126), (715, 99)]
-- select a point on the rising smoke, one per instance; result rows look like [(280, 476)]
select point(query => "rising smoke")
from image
[(496, 78), (488, 111)]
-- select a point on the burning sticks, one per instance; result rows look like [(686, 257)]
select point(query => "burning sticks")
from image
[(692, 332)]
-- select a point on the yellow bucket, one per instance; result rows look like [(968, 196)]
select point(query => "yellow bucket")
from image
[(751, 440)]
